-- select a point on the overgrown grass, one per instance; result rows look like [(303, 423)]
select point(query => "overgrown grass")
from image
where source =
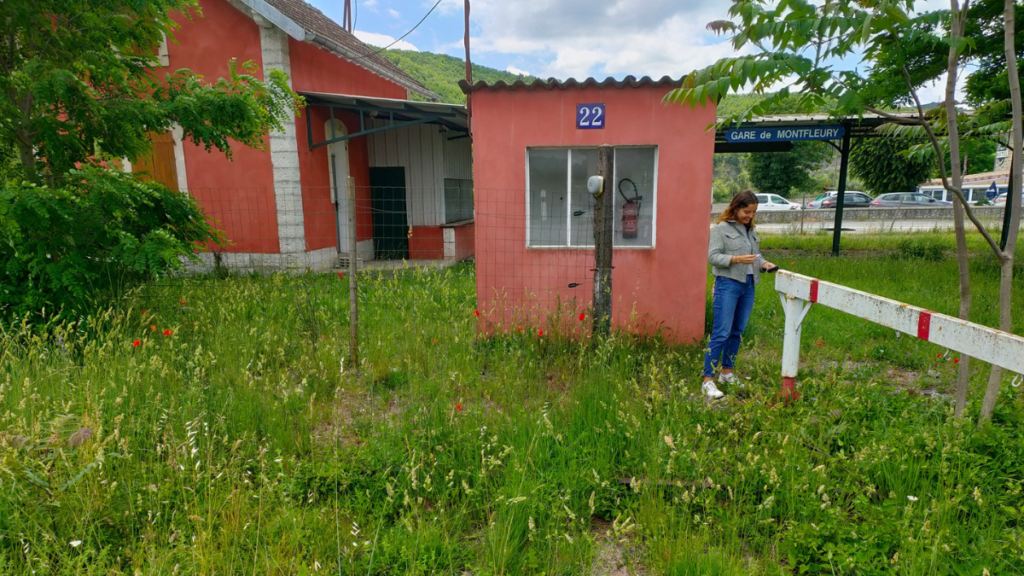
[(237, 445)]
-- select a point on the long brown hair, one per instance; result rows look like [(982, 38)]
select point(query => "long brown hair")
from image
[(740, 200)]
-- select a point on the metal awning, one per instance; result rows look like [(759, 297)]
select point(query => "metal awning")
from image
[(397, 114)]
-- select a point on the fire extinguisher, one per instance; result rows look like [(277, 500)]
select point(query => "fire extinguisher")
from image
[(630, 210)]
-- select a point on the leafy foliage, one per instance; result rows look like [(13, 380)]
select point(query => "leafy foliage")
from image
[(883, 165), (80, 81), (785, 172), (60, 248), (441, 73)]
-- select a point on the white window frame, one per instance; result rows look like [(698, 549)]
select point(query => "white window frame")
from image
[(568, 202)]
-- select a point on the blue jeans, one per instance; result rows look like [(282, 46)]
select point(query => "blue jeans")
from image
[(733, 302)]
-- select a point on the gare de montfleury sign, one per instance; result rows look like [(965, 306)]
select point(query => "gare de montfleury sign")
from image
[(785, 133)]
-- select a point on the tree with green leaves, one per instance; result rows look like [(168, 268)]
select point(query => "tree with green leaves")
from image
[(883, 165), (80, 81), (81, 87), (796, 43), (785, 172)]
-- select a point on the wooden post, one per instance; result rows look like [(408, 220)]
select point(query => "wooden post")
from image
[(353, 294), (603, 215)]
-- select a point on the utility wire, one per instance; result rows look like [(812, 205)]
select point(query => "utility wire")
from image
[(401, 37)]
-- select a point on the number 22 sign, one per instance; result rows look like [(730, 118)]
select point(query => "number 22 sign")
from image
[(589, 116)]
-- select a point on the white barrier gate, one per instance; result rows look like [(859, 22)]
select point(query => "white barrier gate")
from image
[(798, 293)]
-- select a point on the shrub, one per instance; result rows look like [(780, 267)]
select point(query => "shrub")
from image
[(104, 231), (924, 248)]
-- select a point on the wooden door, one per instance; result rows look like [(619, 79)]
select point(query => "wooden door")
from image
[(158, 165)]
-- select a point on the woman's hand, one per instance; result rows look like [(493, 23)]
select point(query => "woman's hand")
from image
[(744, 259), (767, 265)]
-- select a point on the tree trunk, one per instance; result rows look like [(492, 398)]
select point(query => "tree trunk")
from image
[(1012, 195), (956, 30)]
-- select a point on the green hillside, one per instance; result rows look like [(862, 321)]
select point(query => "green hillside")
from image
[(441, 73)]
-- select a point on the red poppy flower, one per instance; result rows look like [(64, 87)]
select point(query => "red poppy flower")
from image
[(341, 275), (583, 316), (956, 360), (152, 327), (476, 313), (520, 328), (540, 333), (821, 343), (136, 343), (938, 355), (182, 302), (458, 406), (167, 332), (143, 312), (323, 336)]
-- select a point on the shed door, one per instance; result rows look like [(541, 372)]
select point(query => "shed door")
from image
[(158, 165), (390, 219)]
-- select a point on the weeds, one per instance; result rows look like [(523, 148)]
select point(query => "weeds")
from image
[(239, 445)]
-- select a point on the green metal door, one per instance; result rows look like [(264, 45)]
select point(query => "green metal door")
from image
[(390, 219)]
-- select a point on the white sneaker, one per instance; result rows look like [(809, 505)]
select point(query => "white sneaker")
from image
[(711, 391), (730, 379)]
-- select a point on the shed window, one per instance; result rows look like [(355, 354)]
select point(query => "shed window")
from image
[(560, 211), (458, 200)]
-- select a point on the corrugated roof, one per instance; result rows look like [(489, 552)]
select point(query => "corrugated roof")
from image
[(554, 83), (321, 30)]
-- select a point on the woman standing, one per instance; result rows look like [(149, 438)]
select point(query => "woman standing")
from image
[(736, 262)]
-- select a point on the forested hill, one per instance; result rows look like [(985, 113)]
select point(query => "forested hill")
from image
[(441, 73)]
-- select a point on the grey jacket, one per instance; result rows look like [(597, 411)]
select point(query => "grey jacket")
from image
[(730, 239)]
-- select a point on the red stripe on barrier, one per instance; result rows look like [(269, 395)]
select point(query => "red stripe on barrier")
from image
[(924, 325), (814, 290)]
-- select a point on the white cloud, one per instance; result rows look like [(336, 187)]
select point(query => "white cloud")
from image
[(382, 40), (371, 4), (394, 13), (936, 91), (580, 38), (517, 71)]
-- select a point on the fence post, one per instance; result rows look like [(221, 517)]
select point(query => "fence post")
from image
[(603, 215), (795, 309), (353, 294)]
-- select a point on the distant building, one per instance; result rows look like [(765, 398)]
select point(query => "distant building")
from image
[(975, 186)]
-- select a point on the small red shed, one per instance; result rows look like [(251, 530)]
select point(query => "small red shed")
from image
[(534, 146)]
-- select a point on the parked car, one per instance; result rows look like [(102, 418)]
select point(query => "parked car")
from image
[(911, 199), (1001, 200), (852, 199), (775, 202)]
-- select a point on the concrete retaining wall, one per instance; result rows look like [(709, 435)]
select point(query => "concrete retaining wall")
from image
[(860, 214)]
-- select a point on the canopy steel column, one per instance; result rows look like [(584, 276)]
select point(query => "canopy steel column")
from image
[(844, 164)]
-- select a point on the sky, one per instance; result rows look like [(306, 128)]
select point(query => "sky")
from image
[(563, 38)]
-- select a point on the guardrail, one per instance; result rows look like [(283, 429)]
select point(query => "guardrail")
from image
[(994, 213), (798, 293)]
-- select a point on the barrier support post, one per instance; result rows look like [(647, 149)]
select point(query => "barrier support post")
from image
[(796, 310)]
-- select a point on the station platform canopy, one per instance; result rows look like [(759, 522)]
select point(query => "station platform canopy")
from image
[(777, 133)]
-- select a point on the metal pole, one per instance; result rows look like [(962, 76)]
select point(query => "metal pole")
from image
[(1007, 211), (603, 215), (353, 294), (469, 76), (844, 164)]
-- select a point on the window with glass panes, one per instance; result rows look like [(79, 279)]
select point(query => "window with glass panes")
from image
[(560, 210)]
